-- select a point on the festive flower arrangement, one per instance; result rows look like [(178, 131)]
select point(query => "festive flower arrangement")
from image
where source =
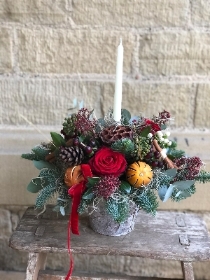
[(95, 160)]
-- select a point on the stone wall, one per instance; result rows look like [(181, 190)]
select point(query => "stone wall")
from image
[(54, 51)]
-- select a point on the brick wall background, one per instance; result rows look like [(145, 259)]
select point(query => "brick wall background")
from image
[(53, 51)]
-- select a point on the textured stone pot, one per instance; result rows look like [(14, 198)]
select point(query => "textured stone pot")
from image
[(103, 223)]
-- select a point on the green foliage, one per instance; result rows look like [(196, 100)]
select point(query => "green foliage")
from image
[(36, 185), (39, 152), (125, 116), (145, 131), (30, 156), (40, 164), (118, 208), (173, 154), (83, 206), (124, 146), (52, 182), (57, 139), (142, 147), (147, 200), (44, 195), (173, 145), (178, 195), (63, 198), (89, 194), (92, 181), (181, 187), (125, 187), (159, 179), (69, 125), (203, 177)]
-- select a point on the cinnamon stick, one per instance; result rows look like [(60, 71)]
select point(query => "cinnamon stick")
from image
[(169, 162)]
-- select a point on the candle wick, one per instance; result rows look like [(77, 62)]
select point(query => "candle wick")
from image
[(120, 41)]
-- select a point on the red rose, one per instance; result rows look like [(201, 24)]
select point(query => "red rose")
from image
[(153, 125), (108, 162)]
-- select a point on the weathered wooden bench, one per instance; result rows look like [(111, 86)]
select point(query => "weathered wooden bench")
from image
[(169, 235)]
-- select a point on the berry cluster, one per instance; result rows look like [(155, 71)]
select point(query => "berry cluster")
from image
[(106, 186), (154, 159), (84, 124), (189, 166), (163, 118), (88, 148)]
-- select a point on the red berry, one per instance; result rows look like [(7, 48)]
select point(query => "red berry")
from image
[(154, 164), (88, 149), (76, 142), (156, 154)]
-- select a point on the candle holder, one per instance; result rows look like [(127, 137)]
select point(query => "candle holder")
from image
[(112, 169)]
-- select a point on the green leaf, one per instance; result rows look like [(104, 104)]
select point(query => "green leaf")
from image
[(92, 181), (30, 156), (145, 131), (183, 185), (168, 193), (41, 152), (57, 139), (125, 187), (42, 164), (163, 126), (62, 210), (118, 209), (35, 185), (126, 116), (88, 194), (171, 172)]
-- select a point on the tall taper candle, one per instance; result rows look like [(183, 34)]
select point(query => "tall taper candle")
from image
[(118, 84)]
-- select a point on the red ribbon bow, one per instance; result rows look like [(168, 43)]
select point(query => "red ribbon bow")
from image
[(76, 192)]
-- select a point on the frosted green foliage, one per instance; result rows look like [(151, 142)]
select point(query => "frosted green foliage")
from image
[(124, 146), (44, 195), (159, 179), (38, 153), (63, 199), (180, 195), (203, 177), (30, 156), (83, 206), (147, 200), (173, 154), (52, 179), (50, 175), (118, 208)]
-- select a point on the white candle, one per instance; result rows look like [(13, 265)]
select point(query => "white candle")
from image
[(118, 84)]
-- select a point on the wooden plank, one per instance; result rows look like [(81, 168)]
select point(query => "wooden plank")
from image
[(153, 237), (187, 269), (36, 261), (60, 275)]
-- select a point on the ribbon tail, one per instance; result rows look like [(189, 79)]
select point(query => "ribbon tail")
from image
[(69, 251), (74, 215), (76, 193)]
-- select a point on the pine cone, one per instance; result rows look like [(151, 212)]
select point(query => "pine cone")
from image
[(71, 155), (113, 133)]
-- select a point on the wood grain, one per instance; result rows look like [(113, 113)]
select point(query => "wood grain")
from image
[(153, 237), (59, 275)]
